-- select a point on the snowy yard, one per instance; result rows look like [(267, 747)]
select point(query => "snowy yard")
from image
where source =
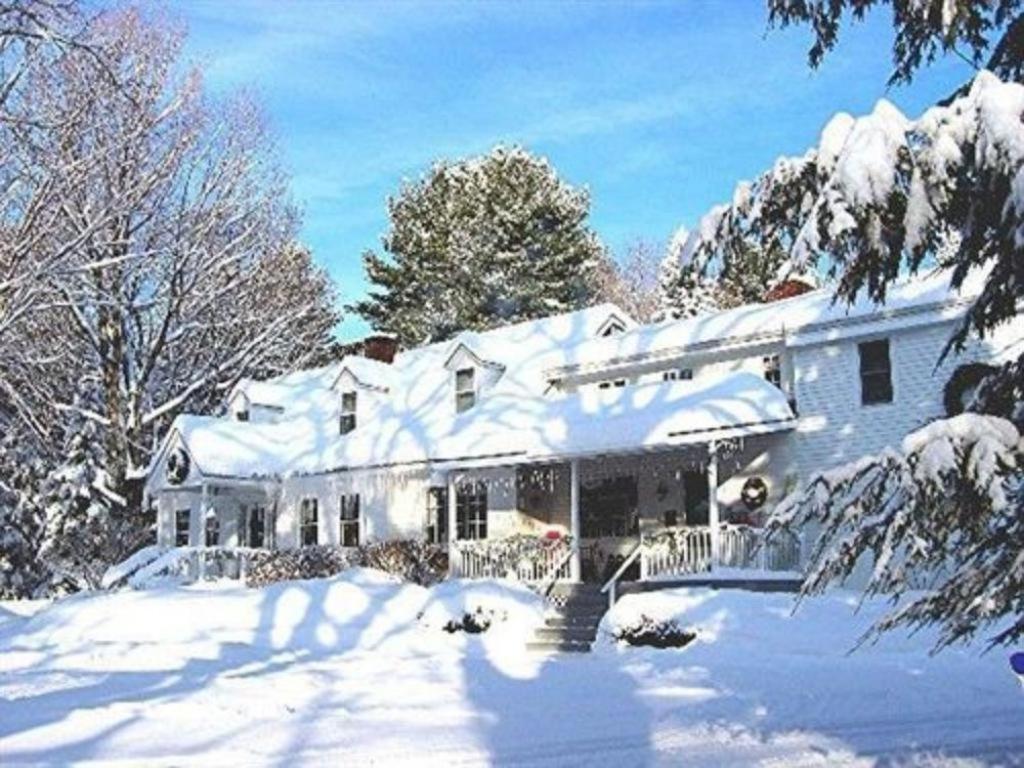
[(356, 670)]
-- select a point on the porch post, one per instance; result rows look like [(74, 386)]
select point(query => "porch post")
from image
[(575, 564), (713, 505), (453, 531)]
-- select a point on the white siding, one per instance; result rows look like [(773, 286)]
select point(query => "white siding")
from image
[(835, 428)]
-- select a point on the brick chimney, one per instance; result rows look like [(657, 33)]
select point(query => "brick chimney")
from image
[(381, 347), (787, 289)]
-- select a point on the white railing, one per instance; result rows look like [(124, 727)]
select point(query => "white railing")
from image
[(519, 558), (611, 586), (677, 552), (688, 550)]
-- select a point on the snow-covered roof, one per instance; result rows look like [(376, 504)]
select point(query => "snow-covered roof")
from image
[(809, 318), (409, 415), (506, 425)]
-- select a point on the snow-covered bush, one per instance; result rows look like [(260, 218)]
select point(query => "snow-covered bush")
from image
[(411, 560), (117, 575), (269, 566), (945, 511), (476, 605), (646, 630), (473, 623)]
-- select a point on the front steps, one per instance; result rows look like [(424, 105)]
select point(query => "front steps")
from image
[(576, 611)]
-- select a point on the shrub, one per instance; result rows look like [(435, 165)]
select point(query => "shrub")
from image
[(655, 633), (409, 560), (413, 561), (269, 566), (472, 623)]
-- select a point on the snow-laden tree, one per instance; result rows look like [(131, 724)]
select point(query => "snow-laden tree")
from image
[(939, 522), (148, 263), (884, 195), (177, 271), (478, 243), (987, 33), (629, 283), (22, 519), (880, 197), (683, 289)]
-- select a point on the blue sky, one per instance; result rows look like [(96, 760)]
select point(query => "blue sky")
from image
[(658, 108)]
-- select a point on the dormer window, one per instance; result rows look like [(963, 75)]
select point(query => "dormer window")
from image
[(465, 389), (242, 415), (347, 420), (613, 329)]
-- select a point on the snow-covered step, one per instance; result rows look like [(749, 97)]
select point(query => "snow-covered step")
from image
[(571, 626), (544, 646)]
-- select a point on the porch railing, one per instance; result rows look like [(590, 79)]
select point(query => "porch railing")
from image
[(512, 558), (685, 551)]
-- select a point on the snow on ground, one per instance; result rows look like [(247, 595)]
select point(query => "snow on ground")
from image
[(355, 670)]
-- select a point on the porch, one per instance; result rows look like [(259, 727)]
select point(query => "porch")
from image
[(688, 512)]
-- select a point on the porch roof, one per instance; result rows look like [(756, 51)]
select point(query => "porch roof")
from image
[(502, 429)]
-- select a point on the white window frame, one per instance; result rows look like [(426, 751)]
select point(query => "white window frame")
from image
[(678, 374), (462, 393), (348, 421), (309, 505), (772, 367), (345, 503), (179, 515)]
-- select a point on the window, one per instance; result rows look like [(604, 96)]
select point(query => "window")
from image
[(308, 528), (347, 421), (773, 370), (254, 530), (212, 538), (617, 383), (437, 514), (471, 510), (465, 389), (349, 532), (181, 527), (875, 372), (242, 415), (682, 374)]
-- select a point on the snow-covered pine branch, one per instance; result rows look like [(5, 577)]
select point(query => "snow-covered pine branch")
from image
[(883, 194), (939, 522)]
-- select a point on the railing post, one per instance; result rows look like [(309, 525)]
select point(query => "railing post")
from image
[(576, 566), (643, 560), (713, 521), (453, 531)]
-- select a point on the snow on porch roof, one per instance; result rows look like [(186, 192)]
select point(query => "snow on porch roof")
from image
[(620, 420), (505, 428)]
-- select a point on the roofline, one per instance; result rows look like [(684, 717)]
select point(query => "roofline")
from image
[(460, 344), (750, 339)]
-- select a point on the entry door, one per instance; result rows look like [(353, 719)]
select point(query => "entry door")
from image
[(608, 509), (695, 488)]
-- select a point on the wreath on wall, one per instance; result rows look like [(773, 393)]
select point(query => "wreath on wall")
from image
[(754, 493), (961, 384), (178, 465)]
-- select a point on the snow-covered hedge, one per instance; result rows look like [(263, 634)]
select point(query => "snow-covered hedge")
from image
[(270, 566), (411, 561)]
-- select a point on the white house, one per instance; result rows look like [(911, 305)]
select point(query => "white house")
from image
[(585, 430)]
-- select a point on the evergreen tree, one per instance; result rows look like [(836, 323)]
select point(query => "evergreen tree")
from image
[(683, 291), (478, 243), (988, 33)]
